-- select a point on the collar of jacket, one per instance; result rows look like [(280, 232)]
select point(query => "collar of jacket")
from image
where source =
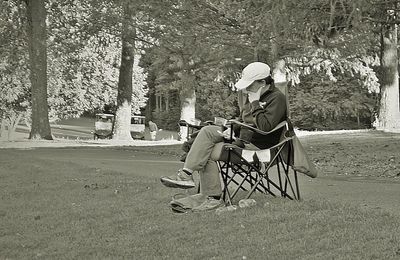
[(270, 90)]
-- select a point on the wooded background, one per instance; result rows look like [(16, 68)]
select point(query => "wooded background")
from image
[(179, 59)]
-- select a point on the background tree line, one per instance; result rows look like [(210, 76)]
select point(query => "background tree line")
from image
[(340, 55)]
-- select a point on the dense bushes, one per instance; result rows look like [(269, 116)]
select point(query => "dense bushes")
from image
[(167, 119), (327, 105), (216, 101)]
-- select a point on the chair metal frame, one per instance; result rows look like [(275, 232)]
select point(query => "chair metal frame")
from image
[(254, 174), (258, 178)]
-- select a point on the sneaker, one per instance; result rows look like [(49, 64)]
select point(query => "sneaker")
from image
[(209, 204), (181, 180)]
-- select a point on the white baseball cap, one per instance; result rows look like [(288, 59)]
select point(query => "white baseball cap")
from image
[(252, 72)]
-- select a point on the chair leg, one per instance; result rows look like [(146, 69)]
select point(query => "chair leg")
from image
[(279, 176), (226, 194), (297, 185), (296, 182)]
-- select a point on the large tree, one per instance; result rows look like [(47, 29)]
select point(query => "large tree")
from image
[(37, 36), (85, 47), (389, 110), (124, 98), (127, 22)]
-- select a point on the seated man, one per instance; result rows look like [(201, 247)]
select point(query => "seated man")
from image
[(261, 105)]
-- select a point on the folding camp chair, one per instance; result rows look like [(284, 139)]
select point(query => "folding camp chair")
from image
[(272, 171), (251, 169)]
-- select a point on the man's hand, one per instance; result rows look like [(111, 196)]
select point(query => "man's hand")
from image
[(227, 134), (253, 96)]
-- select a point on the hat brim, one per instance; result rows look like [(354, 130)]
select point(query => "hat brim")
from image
[(242, 84)]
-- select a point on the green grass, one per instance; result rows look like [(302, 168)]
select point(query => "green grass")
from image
[(60, 209), (370, 154)]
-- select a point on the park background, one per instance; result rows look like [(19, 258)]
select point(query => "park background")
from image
[(61, 62), (179, 60)]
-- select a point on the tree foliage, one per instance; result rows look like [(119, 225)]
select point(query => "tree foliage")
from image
[(327, 105), (331, 48), (326, 41), (83, 59), (14, 79)]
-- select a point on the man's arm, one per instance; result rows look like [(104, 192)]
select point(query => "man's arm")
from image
[(269, 116)]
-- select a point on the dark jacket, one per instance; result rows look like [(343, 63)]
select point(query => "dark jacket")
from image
[(264, 114)]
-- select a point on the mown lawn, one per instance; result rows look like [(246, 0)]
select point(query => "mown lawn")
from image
[(55, 208), (368, 154)]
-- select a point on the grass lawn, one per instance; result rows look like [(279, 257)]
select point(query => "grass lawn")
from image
[(370, 154), (53, 207)]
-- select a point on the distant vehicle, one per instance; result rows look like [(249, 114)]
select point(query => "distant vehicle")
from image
[(103, 126), (137, 127)]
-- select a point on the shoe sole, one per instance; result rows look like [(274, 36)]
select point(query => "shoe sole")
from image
[(179, 209), (174, 184)]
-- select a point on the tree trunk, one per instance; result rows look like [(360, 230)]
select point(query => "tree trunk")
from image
[(36, 13), (389, 111), (167, 103), (3, 125), (124, 98), (274, 48), (188, 111), (157, 103), (279, 76)]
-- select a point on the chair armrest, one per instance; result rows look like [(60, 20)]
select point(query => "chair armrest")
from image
[(185, 123), (182, 123), (279, 126)]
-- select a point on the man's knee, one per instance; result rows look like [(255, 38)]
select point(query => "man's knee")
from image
[(210, 130), (206, 128)]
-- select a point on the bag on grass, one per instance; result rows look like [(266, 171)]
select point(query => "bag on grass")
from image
[(298, 158), (301, 162)]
